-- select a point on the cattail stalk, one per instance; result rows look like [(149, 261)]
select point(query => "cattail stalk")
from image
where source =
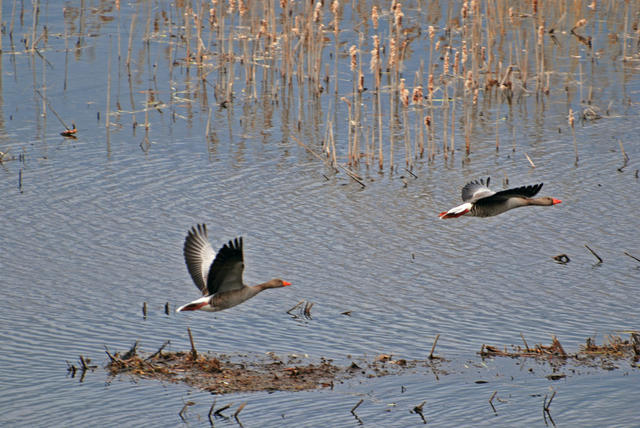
[(376, 69), (404, 98), (417, 99)]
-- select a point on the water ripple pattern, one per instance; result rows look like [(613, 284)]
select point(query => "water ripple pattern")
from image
[(93, 227)]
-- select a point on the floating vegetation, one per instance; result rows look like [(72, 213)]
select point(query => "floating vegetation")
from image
[(553, 350), (615, 348), (223, 374)]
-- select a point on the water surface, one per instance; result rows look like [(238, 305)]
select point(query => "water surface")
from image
[(93, 227)]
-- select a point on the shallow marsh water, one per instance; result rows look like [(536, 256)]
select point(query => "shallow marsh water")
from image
[(93, 227)]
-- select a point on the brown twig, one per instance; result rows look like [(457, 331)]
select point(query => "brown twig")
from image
[(240, 407), (221, 409), (85, 364), (545, 409), (431, 356), (491, 401), (159, 351), (53, 110), (307, 309), (111, 357), (131, 352), (526, 346), (71, 368), (546, 406), (633, 257), (594, 253), (409, 171), (353, 409), (184, 409), (350, 173), (625, 157), (213, 405), (418, 409), (296, 306), (194, 353)]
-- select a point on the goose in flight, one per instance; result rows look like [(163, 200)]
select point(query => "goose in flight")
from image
[(218, 276), (480, 201)]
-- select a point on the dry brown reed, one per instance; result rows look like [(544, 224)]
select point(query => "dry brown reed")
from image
[(107, 121), (571, 121), (335, 6), (481, 58)]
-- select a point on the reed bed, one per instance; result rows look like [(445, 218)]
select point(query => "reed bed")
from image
[(222, 374), (396, 82)]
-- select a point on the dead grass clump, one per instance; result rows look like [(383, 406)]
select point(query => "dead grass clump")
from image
[(553, 350), (222, 374), (219, 374), (614, 348)]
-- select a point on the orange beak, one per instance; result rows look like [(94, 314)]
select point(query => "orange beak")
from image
[(285, 283), (556, 201)]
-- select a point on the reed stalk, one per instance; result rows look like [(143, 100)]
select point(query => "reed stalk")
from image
[(107, 121), (186, 19), (13, 15), (376, 69), (359, 119), (132, 27), (353, 66), (279, 60), (349, 130), (404, 99), (540, 58), (335, 5), (625, 30), (453, 121), (497, 131), (34, 24), (573, 132), (417, 99), (445, 121), (332, 142)]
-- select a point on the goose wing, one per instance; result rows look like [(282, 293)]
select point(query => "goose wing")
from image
[(198, 255), (226, 270), (523, 192), (475, 190)]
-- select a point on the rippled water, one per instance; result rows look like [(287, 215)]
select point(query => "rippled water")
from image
[(94, 227)]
